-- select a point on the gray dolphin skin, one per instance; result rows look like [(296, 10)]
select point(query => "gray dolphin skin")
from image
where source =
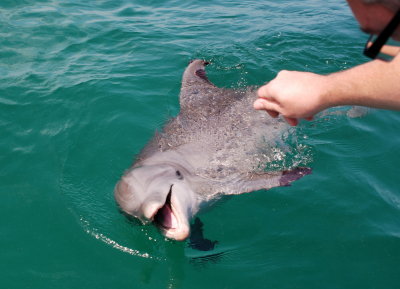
[(217, 145)]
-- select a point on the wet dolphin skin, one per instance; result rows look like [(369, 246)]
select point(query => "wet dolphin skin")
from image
[(217, 145)]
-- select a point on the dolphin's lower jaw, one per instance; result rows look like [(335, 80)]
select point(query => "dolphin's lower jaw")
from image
[(171, 220)]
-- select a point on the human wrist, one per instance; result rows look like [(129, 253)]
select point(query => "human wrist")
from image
[(336, 90), (328, 95)]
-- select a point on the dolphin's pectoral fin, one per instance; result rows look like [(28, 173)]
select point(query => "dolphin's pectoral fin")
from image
[(266, 180), (293, 175), (197, 240)]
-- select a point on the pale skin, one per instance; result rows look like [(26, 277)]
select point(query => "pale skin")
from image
[(300, 95), (388, 50)]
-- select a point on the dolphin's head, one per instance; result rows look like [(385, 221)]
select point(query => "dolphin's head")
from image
[(160, 194)]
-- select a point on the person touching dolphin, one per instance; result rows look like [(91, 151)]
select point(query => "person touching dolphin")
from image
[(300, 95), (217, 145)]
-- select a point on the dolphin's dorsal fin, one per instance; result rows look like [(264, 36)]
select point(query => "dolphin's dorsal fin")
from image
[(195, 75), (201, 73), (197, 92)]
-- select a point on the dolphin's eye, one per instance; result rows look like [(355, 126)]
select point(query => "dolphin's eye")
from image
[(179, 175)]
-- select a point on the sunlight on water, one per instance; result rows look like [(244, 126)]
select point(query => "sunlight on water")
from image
[(113, 243)]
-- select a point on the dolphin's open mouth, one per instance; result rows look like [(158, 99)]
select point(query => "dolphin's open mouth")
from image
[(171, 220), (165, 217)]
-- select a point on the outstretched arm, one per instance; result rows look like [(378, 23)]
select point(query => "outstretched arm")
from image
[(298, 95)]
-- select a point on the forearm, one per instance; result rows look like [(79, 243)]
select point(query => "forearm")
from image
[(295, 94), (374, 84)]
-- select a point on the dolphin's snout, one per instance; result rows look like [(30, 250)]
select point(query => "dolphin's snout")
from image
[(124, 197), (165, 216), (170, 217)]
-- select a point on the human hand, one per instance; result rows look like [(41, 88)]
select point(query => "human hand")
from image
[(293, 94)]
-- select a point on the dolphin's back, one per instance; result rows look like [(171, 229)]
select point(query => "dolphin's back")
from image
[(218, 144), (220, 127)]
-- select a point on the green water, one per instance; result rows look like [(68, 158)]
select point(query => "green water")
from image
[(84, 85)]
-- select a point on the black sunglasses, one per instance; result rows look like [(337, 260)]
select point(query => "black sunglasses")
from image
[(373, 50)]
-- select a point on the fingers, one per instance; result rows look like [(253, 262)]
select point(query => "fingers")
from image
[(272, 106), (292, 121), (263, 92), (265, 104), (272, 109), (272, 113)]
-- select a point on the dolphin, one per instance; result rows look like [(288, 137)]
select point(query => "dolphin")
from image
[(217, 145)]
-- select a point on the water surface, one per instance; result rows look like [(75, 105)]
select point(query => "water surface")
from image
[(84, 85)]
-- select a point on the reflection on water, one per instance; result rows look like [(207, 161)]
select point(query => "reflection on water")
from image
[(202, 261), (112, 243), (196, 240)]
